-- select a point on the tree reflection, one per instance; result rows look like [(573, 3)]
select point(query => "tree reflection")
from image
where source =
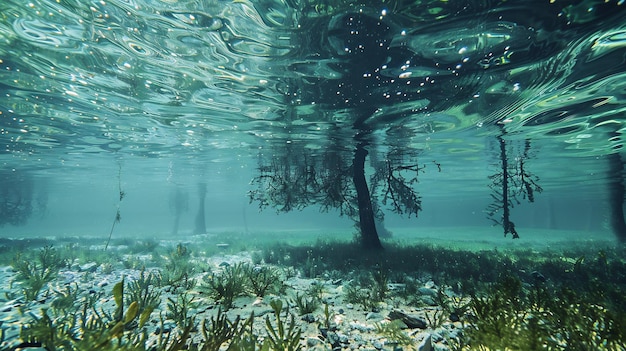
[(336, 178), (512, 182)]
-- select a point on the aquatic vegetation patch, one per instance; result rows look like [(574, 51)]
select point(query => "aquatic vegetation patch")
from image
[(262, 279), (380, 280), (510, 316), (316, 290), (178, 269), (87, 329), (305, 304), (143, 291), (65, 298), (226, 285), (281, 335), (178, 310), (559, 300), (368, 289), (241, 279), (392, 331), (356, 294), (35, 271)]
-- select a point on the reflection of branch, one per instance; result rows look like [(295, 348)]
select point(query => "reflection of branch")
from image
[(528, 181), (399, 190), (511, 182), (335, 189), (287, 183), (299, 179)]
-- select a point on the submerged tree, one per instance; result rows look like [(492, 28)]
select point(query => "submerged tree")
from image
[(349, 101), (511, 183), (332, 179)]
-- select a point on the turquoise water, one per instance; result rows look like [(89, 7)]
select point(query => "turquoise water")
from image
[(132, 108)]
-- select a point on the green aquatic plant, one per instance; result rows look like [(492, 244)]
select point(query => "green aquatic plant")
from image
[(509, 315), (316, 290), (496, 321), (85, 255), (178, 310), (144, 292), (35, 272), (327, 316), (392, 331), (436, 318), (452, 306), (582, 323), (220, 330), (119, 297), (380, 278), (178, 268), (369, 298), (143, 246), (226, 285), (289, 272), (65, 299), (271, 255), (355, 294), (175, 340), (261, 279), (281, 335), (85, 330), (310, 268), (246, 339), (305, 304)]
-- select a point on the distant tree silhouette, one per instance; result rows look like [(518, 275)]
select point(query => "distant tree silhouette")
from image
[(16, 197), (179, 203), (200, 223), (616, 195)]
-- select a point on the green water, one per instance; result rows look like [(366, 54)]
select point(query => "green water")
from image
[(173, 139), (115, 114)]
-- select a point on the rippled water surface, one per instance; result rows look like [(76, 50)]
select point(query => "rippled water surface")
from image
[(170, 91)]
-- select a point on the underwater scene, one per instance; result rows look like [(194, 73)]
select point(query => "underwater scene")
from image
[(312, 175)]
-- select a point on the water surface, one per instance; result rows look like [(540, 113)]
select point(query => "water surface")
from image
[(153, 98)]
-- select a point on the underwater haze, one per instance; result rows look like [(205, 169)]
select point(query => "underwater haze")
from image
[(154, 118), (286, 175)]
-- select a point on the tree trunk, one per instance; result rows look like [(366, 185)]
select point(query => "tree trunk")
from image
[(200, 227), (616, 196), (367, 225), (507, 224)]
